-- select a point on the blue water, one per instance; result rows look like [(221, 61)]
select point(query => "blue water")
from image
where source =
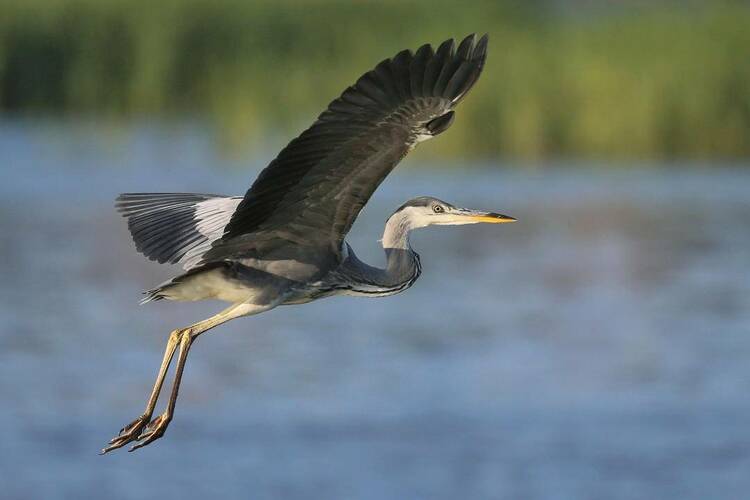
[(599, 348)]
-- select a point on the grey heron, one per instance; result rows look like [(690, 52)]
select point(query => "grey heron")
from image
[(283, 241)]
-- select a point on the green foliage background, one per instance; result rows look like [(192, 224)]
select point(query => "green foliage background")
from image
[(564, 79)]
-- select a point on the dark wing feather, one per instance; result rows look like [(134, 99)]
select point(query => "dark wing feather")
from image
[(306, 200)]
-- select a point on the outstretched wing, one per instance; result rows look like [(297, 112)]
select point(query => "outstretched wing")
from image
[(176, 227), (310, 195)]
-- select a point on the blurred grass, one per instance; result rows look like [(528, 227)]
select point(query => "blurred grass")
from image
[(640, 80)]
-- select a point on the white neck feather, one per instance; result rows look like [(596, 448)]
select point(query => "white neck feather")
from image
[(398, 226)]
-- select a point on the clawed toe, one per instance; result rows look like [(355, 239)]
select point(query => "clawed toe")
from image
[(140, 430), (154, 430), (129, 433)]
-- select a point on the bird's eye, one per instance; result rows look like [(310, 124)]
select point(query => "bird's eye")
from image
[(437, 209)]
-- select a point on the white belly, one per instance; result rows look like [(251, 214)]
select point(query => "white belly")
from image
[(210, 285)]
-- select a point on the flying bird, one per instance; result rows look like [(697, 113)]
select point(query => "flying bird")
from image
[(283, 242)]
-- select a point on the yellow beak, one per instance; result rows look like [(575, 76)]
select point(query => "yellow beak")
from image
[(491, 218)]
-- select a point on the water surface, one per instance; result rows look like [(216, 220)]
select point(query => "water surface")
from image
[(598, 348)]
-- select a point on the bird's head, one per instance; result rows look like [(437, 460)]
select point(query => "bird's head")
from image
[(428, 211)]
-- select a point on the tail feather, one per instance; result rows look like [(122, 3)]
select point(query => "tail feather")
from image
[(151, 295)]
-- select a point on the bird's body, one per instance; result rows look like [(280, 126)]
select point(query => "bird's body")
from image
[(283, 242), (292, 281)]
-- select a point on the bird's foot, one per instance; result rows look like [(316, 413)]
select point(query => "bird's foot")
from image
[(140, 430), (130, 432), (154, 430)]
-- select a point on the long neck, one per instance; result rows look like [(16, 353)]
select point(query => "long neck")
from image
[(397, 229), (402, 262)]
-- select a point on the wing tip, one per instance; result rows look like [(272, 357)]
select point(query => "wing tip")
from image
[(462, 68), (394, 79), (480, 49)]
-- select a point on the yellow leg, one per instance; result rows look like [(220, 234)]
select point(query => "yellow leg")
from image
[(134, 428), (141, 429)]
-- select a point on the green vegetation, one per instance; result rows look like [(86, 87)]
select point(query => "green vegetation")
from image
[(647, 82)]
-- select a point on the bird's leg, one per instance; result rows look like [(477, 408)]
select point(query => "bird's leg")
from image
[(147, 433), (158, 426), (131, 431)]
